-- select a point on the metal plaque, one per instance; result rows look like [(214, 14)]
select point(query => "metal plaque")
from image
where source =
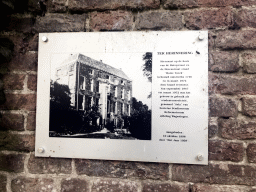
[(136, 96)]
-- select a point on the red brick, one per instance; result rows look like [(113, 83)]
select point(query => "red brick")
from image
[(74, 185), (251, 152), (20, 102), (180, 3), (224, 61), (85, 5), (20, 24), (249, 62), (23, 184), (32, 82), (122, 169), (215, 173), (198, 187), (208, 19), (159, 20), (225, 151), (3, 183), (206, 3), (12, 162), (224, 3), (164, 187), (212, 129), (12, 122), (17, 142), (60, 23), (113, 20), (222, 107), (24, 62), (57, 5), (45, 165), (13, 81), (232, 85), (213, 83), (246, 18), (237, 129), (236, 39), (114, 185), (31, 121), (249, 106)]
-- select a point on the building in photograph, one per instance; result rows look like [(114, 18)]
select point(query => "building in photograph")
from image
[(93, 83)]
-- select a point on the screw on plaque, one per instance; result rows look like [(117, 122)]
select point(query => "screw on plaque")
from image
[(40, 150), (197, 52), (44, 39), (200, 157), (201, 37)]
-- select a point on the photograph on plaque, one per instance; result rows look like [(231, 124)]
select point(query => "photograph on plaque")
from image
[(91, 96), (132, 96)]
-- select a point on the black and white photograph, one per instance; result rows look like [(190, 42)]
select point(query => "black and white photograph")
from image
[(101, 95)]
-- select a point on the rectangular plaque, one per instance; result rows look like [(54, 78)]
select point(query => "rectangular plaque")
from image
[(138, 96)]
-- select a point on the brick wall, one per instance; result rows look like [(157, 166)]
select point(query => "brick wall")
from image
[(232, 95)]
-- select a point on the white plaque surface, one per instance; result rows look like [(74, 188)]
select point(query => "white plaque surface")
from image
[(136, 96)]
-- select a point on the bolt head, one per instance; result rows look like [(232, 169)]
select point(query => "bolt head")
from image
[(200, 157), (44, 39), (201, 37), (40, 150)]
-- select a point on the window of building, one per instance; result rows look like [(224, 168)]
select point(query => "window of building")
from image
[(108, 106), (115, 107), (128, 110), (107, 76), (128, 95), (122, 93), (89, 102), (122, 108), (97, 86), (90, 71), (91, 85), (115, 88), (80, 102), (82, 81)]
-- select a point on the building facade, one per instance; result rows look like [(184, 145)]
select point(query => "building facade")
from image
[(93, 83)]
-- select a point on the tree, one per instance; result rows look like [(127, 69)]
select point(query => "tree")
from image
[(147, 66)]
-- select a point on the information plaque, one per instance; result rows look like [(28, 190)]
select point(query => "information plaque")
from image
[(133, 96)]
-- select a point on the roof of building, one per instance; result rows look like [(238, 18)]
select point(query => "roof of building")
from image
[(96, 64)]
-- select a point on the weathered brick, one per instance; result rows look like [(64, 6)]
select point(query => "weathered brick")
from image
[(20, 24), (74, 185), (24, 62), (114, 185), (222, 107), (32, 82), (164, 187), (251, 152), (206, 3), (208, 19), (180, 3), (60, 23), (23, 184), (12, 122), (86, 5), (237, 129), (232, 85), (159, 20), (249, 106), (215, 173), (198, 187), (31, 121), (20, 101), (13, 81), (224, 61), (12, 162), (57, 5), (249, 62), (236, 39), (246, 18), (45, 165), (225, 151), (113, 20), (122, 169), (17, 142), (3, 182), (212, 128)]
